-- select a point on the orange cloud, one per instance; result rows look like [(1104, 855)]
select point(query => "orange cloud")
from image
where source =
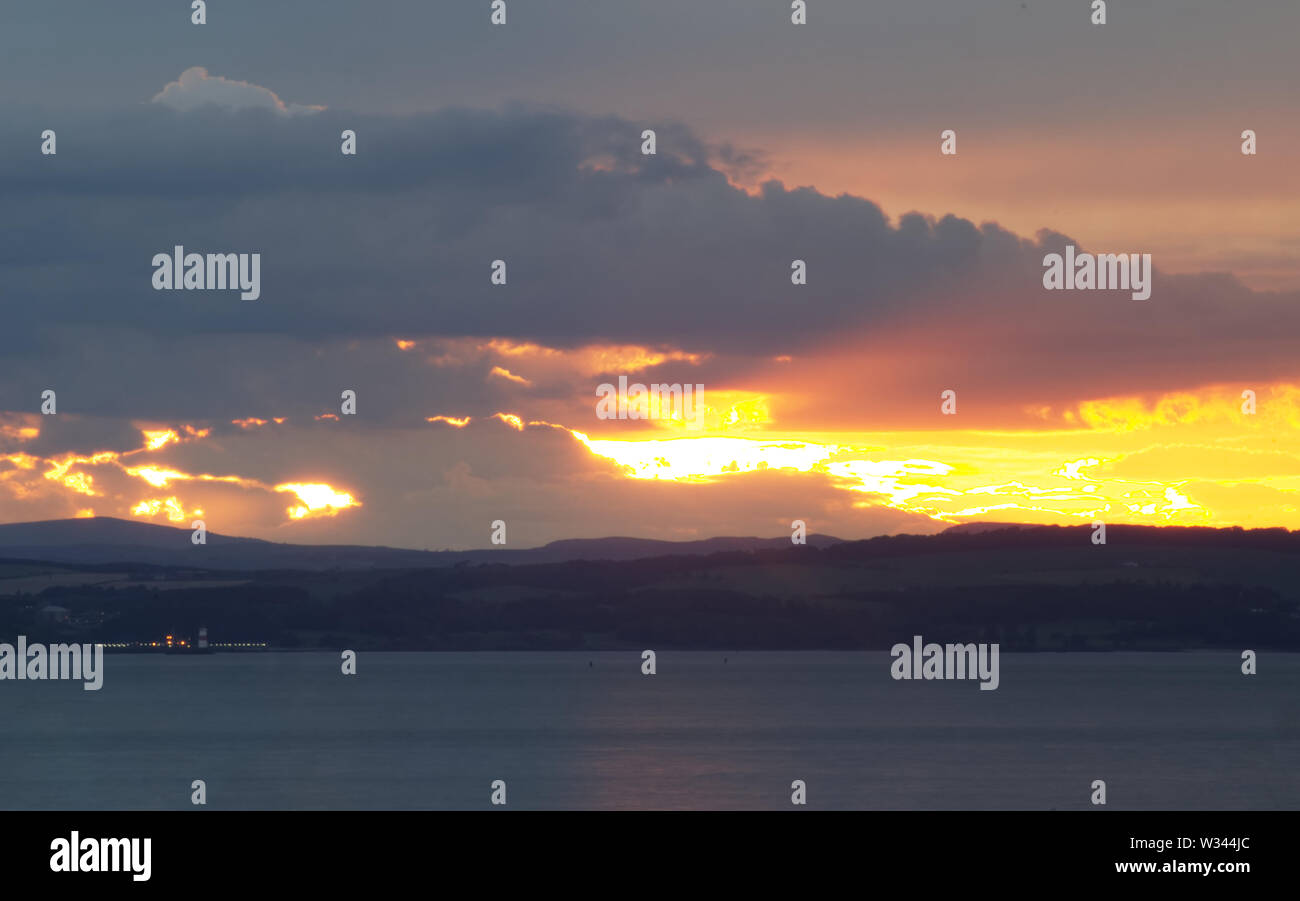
[(159, 477), (19, 433), (317, 499), (585, 361), (170, 506), (501, 372), (156, 438), (81, 475)]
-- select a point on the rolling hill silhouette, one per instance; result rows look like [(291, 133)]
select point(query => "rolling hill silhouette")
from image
[(1044, 588), (105, 539)]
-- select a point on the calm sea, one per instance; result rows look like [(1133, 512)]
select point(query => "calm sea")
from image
[(588, 730)]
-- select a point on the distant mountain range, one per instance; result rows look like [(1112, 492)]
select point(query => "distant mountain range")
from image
[(1040, 588), (978, 528), (104, 539)]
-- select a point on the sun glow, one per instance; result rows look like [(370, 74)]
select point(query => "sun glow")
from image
[(156, 438), (169, 506), (316, 499), (693, 459), (1205, 458)]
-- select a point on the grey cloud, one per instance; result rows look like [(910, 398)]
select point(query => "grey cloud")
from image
[(657, 248), (602, 243)]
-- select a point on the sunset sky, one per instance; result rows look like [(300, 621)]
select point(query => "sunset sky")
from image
[(477, 402)]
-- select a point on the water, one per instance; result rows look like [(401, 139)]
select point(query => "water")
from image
[(433, 730)]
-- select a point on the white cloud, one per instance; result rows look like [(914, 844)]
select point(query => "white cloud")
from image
[(196, 88)]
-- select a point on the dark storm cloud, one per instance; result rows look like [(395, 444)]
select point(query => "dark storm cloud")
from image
[(399, 237), (602, 243)]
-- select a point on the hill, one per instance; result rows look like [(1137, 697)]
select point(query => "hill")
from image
[(106, 540), (1046, 588)]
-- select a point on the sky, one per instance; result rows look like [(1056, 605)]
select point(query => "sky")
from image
[(477, 402)]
